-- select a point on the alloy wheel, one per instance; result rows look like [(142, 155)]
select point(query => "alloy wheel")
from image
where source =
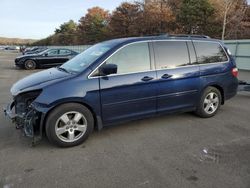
[(211, 103), (71, 126)]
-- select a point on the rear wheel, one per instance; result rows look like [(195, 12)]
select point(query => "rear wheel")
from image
[(69, 125), (30, 65), (210, 103)]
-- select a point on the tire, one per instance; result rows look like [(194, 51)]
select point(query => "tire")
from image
[(30, 65), (69, 125), (210, 102)]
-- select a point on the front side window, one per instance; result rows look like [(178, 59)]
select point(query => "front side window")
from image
[(132, 58), (209, 52), (171, 54)]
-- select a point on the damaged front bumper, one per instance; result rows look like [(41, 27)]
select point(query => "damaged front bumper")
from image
[(30, 122)]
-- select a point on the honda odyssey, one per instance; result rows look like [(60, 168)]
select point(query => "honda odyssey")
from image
[(122, 80)]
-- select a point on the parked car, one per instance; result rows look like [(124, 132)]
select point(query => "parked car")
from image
[(38, 50), (122, 80), (12, 48), (47, 58), (30, 49)]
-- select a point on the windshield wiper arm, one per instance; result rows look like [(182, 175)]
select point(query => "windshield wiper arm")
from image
[(63, 69)]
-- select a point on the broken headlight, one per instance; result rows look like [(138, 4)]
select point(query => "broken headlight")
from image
[(23, 101)]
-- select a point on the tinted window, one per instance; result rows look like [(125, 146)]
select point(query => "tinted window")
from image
[(209, 52), (193, 59), (64, 52), (170, 54), (132, 58)]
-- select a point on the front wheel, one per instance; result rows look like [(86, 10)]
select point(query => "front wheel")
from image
[(69, 125), (29, 65), (210, 103)]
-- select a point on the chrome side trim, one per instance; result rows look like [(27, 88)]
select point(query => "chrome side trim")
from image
[(90, 77)]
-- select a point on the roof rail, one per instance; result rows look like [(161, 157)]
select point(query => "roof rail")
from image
[(178, 35), (190, 36)]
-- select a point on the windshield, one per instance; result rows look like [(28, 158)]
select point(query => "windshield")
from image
[(83, 60), (43, 52)]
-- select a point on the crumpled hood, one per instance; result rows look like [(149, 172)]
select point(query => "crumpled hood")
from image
[(38, 80)]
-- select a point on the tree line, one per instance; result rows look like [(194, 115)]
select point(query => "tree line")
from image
[(222, 19)]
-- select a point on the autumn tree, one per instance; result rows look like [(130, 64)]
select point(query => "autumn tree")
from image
[(228, 19), (93, 27), (126, 20), (244, 29), (158, 17), (230, 14)]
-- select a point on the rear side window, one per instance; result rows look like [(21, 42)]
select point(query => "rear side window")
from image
[(64, 52), (171, 54), (131, 58), (209, 52)]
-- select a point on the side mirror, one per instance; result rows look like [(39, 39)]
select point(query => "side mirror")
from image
[(46, 54), (108, 69)]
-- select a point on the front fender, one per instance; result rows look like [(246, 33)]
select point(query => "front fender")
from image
[(75, 90)]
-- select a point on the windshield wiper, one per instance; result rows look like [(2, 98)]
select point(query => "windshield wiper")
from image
[(63, 69)]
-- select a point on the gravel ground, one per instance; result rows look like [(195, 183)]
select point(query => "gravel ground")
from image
[(179, 150)]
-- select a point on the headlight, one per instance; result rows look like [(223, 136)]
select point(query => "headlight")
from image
[(24, 100)]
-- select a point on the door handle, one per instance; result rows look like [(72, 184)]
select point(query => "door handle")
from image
[(166, 76), (147, 78)]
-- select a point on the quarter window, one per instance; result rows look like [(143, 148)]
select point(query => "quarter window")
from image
[(64, 52), (132, 58), (209, 52), (171, 54)]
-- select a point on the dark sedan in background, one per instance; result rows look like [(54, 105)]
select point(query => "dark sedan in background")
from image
[(35, 50), (44, 59)]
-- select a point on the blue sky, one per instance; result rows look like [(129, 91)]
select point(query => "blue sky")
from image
[(37, 19)]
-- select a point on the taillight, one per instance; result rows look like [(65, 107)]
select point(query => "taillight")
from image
[(235, 72)]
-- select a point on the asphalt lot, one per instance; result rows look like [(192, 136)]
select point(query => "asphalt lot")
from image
[(179, 150)]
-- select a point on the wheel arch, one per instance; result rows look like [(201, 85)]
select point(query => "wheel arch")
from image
[(220, 88), (97, 119), (37, 65)]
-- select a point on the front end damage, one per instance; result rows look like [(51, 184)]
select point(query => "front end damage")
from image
[(25, 116)]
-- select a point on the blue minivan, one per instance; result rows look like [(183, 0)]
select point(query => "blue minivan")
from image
[(122, 80)]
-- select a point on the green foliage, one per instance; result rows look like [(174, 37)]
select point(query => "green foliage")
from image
[(196, 16), (93, 27), (67, 27)]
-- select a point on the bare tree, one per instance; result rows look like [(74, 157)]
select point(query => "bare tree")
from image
[(232, 11)]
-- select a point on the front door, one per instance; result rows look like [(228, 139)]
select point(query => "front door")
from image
[(50, 58), (131, 93)]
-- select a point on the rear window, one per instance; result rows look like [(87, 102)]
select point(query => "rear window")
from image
[(209, 52)]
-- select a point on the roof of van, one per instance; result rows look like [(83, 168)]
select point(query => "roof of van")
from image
[(162, 37)]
